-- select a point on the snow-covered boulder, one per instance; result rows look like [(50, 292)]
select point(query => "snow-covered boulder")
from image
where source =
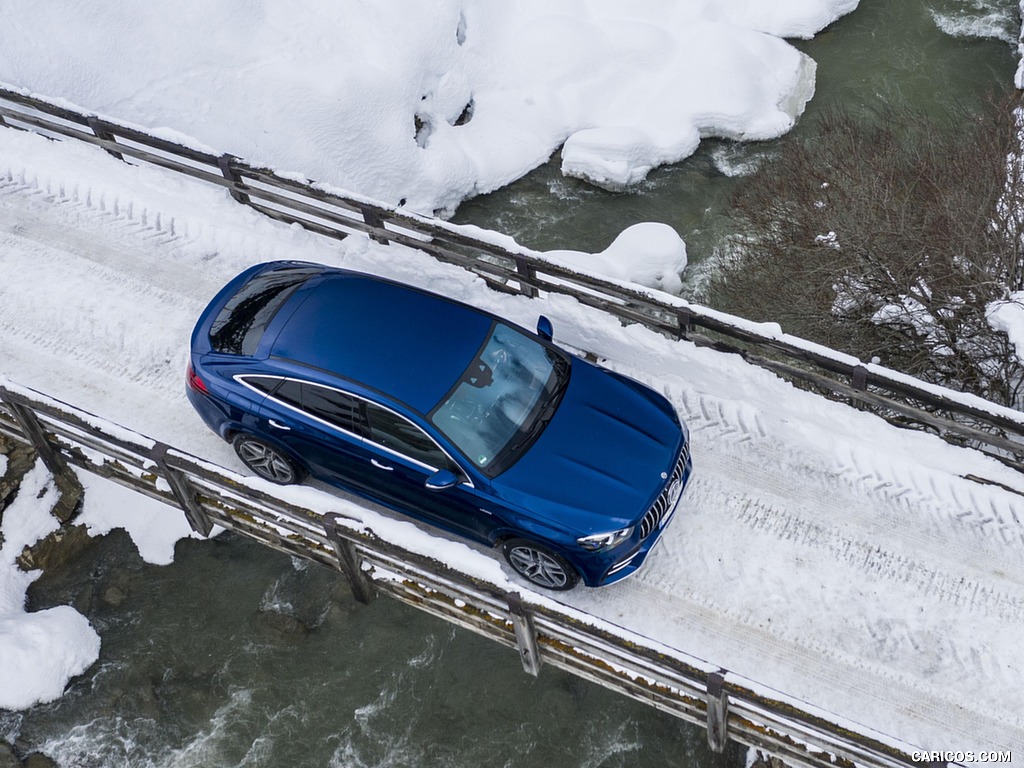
[(1008, 316), (650, 254)]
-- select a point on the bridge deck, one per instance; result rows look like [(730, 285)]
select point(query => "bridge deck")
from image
[(819, 551)]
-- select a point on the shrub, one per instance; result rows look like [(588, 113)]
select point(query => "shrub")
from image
[(888, 238)]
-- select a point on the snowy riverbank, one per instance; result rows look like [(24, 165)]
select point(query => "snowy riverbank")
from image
[(428, 103)]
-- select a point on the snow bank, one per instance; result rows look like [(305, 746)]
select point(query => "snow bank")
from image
[(427, 104), (791, 18), (153, 526), (650, 254), (41, 651)]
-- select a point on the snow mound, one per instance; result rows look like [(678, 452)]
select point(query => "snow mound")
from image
[(759, 86), (1008, 317), (650, 254), (40, 651)]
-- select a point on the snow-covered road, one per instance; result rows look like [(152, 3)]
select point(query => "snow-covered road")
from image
[(819, 550)]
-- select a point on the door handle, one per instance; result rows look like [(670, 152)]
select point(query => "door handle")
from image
[(378, 465), (277, 424)]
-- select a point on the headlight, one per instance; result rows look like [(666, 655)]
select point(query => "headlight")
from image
[(597, 541)]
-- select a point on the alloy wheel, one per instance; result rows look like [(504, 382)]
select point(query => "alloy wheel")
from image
[(540, 567), (265, 461)]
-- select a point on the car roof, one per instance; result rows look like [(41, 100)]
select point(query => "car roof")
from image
[(410, 345)]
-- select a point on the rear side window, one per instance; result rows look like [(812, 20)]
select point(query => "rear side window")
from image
[(240, 324), (330, 405), (265, 384), (290, 392)]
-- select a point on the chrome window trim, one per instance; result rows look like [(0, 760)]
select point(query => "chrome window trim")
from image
[(241, 379)]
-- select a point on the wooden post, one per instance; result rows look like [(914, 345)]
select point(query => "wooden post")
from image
[(372, 219), (859, 381), (68, 485), (526, 634), (348, 562), (718, 712), (103, 134), (229, 173), (529, 274), (197, 518), (684, 317)]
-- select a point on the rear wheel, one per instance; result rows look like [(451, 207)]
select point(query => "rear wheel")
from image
[(266, 461), (540, 565)]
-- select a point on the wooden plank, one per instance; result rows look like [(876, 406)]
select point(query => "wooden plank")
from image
[(42, 106)]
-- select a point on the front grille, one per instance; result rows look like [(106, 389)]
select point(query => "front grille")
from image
[(661, 506)]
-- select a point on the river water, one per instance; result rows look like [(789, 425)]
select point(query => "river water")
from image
[(239, 656)]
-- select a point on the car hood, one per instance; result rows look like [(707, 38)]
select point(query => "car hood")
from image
[(598, 464)]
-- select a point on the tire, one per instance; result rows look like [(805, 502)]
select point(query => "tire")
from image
[(540, 565), (265, 460)]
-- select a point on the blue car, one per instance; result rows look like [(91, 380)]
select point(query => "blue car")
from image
[(443, 412)]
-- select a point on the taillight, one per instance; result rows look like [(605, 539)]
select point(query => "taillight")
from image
[(194, 382)]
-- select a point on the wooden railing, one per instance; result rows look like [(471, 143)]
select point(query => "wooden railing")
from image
[(901, 399), (542, 630)]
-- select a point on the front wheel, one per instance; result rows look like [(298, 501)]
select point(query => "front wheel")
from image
[(266, 461), (540, 565)]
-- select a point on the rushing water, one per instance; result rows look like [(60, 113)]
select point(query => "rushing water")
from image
[(238, 656)]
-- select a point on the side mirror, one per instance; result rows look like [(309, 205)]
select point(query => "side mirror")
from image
[(544, 328), (442, 479)]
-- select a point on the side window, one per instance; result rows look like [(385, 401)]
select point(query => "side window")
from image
[(289, 392), (334, 407), (394, 432)]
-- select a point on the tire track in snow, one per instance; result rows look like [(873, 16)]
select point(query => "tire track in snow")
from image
[(984, 512), (937, 581), (139, 345), (954, 505), (882, 657), (960, 570), (872, 558), (728, 639)]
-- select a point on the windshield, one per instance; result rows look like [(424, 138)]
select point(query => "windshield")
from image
[(503, 399)]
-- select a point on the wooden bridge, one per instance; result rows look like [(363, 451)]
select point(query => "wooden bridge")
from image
[(540, 629), (896, 397)]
